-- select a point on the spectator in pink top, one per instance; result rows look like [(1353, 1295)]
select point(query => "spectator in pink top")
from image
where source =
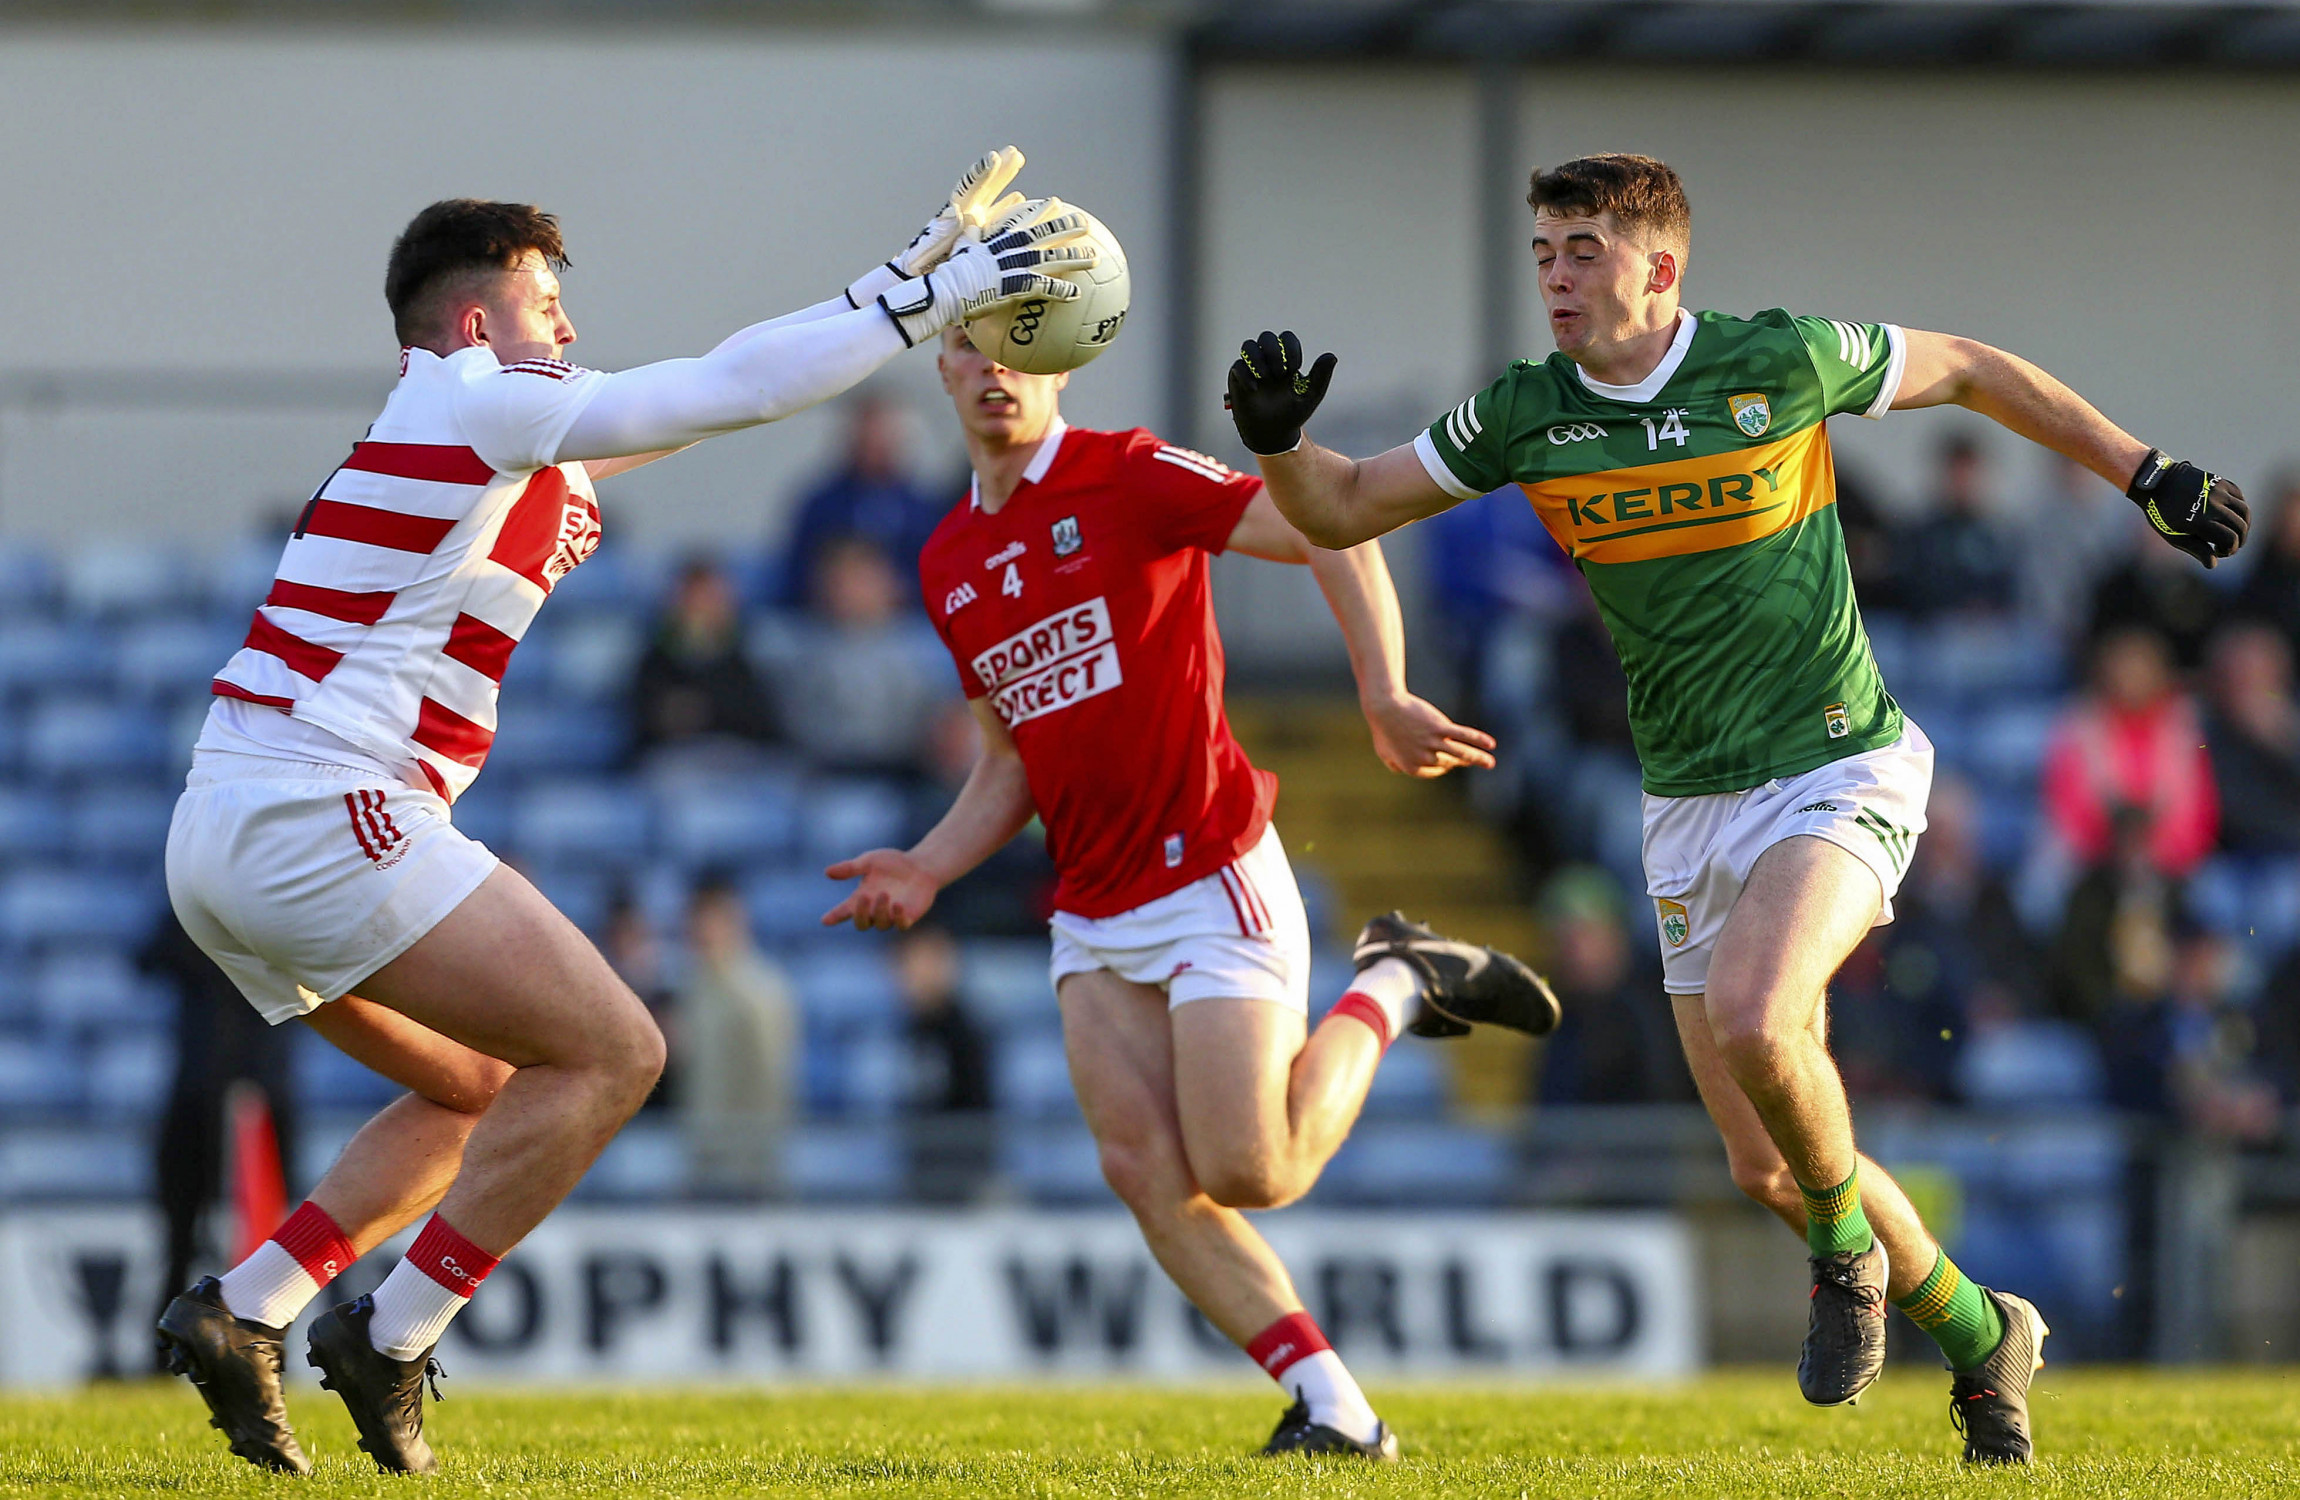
[(2134, 743)]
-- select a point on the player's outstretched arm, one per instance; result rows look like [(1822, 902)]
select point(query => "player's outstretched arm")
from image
[(1410, 735), (1336, 502), (774, 369), (898, 885), (2200, 513)]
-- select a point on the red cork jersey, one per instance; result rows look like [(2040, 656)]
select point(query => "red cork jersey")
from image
[(1082, 610)]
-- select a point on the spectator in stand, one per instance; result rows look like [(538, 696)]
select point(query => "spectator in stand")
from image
[(872, 495), (737, 1049), (2215, 1078), (2159, 589), (2075, 530), (2271, 591), (221, 1042), (1492, 565), (2134, 744), (1600, 783), (2114, 953), (1868, 543), (860, 679), (1010, 894), (949, 1097), (694, 690), (1955, 561), (2253, 727), (1618, 1041), (2276, 1017)]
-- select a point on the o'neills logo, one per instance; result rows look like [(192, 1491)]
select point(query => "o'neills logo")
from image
[(1063, 659)]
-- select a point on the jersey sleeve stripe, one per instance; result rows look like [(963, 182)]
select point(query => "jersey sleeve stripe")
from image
[(1169, 456), (335, 604), (479, 646), (395, 530), (302, 657), (1434, 464), (1896, 366), (222, 689), (441, 729), (436, 462)]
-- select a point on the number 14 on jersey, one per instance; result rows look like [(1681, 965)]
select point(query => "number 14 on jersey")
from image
[(1672, 427)]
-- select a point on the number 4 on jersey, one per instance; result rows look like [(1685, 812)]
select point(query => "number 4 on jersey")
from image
[(1011, 584)]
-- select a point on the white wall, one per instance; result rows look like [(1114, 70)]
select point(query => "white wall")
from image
[(223, 199)]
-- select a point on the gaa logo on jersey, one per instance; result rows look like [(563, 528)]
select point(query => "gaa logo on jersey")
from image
[(1751, 413), (1838, 721), (1066, 537), (1674, 925)]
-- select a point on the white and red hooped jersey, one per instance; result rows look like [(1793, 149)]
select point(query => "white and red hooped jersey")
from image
[(1082, 609), (416, 568)]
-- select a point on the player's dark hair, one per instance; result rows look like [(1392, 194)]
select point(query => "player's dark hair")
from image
[(1644, 196), (449, 242)]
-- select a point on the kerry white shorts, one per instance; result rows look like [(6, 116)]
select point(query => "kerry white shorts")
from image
[(300, 880), (1699, 850), (1239, 933)]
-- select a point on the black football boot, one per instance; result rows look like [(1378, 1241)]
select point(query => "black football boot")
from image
[(1461, 982), (235, 1366), (1298, 1434), (1989, 1405), (384, 1395), (1845, 1336)]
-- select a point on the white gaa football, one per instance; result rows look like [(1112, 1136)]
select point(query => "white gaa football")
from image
[(1045, 338)]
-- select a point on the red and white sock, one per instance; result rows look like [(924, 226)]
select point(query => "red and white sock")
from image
[(1294, 1353), (286, 1271), (1382, 997), (425, 1291)]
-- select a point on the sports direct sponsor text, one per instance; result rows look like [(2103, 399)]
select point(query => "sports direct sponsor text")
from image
[(1069, 656)]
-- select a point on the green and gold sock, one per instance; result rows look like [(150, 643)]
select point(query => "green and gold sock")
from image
[(1959, 1316), (1834, 1223)]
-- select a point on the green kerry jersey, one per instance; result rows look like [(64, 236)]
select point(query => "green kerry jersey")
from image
[(1701, 507)]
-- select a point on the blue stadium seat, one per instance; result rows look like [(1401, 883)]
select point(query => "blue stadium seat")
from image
[(729, 821), (646, 1159), (122, 824), (534, 735), (16, 1000), (1031, 1076), (862, 1162), (1003, 982), (842, 988), (619, 576), (130, 1073), (96, 986), (38, 653), (1419, 1163), (602, 820), (788, 905), (846, 816), (39, 1074), (27, 578), (2006, 744), (237, 578), (320, 1072), (1410, 1084), (582, 893), (877, 1080), (50, 905), (75, 737), (1980, 660), (2049, 1065), (1057, 1165), (174, 655), (484, 812), (32, 824), (593, 654), (124, 579)]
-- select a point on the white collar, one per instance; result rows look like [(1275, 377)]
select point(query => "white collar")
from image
[(1040, 461), (1645, 390)]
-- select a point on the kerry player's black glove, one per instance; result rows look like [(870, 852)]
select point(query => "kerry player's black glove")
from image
[(2202, 514), (1271, 396)]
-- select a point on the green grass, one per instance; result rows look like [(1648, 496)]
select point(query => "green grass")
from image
[(2102, 1434)]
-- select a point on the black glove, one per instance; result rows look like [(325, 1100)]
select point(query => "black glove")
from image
[(2202, 514), (1270, 396)]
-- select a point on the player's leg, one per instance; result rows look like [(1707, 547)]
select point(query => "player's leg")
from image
[(507, 976), (1262, 1109), (1120, 1041)]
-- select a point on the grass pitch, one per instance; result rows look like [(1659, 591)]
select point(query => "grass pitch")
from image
[(1744, 1433)]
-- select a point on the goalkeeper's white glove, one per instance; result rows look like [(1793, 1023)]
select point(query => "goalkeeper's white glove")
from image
[(1022, 255), (974, 203)]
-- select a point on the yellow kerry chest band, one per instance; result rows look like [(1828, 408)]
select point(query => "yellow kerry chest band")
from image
[(1677, 506)]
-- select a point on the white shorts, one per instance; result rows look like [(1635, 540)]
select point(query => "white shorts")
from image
[(301, 880), (1699, 850), (1239, 933)]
